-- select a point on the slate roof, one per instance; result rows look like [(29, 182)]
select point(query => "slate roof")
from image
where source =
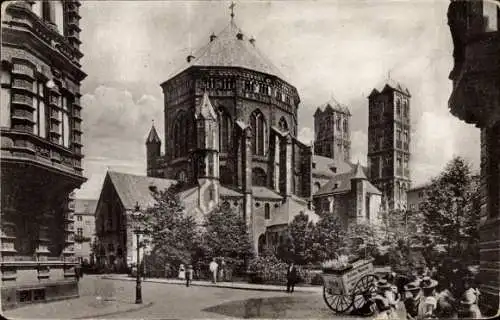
[(333, 105), (226, 192), (153, 136), (227, 50), (323, 166), (265, 193), (85, 206), (392, 84), (134, 189), (341, 183)]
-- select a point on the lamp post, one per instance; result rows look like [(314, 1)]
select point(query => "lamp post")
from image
[(137, 231)]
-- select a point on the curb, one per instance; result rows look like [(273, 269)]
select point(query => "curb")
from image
[(144, 306), (271, 289)]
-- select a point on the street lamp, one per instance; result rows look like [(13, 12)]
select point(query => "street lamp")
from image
[(137, 231)]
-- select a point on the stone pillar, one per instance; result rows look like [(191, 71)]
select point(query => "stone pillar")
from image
[(247, 183), (276, 164), (288, 166)]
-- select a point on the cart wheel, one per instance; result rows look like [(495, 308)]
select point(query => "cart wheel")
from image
[(363, 290), (337, 302)]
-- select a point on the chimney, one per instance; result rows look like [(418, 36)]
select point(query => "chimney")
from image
[(189, 58), (212, 37), (239, 35), (252, 41)]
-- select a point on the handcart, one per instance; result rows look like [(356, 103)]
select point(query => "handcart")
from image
[(349, 287)]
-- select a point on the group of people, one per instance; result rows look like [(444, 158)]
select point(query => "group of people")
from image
[(186, 274), (218, 271), (423, 298)]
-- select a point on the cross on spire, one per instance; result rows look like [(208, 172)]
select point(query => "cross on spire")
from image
[(232, 9)]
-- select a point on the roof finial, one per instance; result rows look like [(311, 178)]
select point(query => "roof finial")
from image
[(232, 9), (153, 122), (389, 74)]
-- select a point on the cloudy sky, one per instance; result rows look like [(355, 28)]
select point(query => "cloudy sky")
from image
[(341, 48)]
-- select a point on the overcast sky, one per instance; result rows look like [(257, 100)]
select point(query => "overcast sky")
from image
[(324, 48)]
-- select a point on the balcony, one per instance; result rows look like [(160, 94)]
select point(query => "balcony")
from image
[(23, 70), (22, 84), (407, 173), (77, 127), (22, 114), (399, 144), (77, 113), (22, 100)]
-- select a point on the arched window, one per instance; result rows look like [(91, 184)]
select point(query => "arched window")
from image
[(181, 131), (267, 211), (225, 132), (259, 177), (226, 175), (346, 125), (259, 132), (283, 125)]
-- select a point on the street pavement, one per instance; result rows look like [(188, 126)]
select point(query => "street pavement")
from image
[(114, 299)]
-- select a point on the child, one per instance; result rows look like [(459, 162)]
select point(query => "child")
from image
[(189, 275)]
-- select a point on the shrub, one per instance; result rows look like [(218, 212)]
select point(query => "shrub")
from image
[(268, 269)]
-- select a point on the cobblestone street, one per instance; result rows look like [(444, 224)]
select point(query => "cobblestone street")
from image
[(162, 300)]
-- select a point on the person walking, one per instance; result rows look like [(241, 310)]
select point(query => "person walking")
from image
[(291, 276), (189, 275), (213, 266), (222, 270), (182, 272)]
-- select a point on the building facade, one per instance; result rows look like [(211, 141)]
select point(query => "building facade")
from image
[(475, 99), (332, 137), (84, 217), (389, 142), (41, 149), (415, 196)]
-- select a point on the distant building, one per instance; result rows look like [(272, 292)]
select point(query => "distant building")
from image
[(389, 142), (84, 228), (416, 196), (332, 136), (41, 149)]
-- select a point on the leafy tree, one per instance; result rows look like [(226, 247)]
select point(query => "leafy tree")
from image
[(225, 235), (451, 210), (167, 229), (327, 235), (300, 230), (363, 240)]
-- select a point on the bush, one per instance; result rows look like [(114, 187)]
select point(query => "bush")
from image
[(268, 269)]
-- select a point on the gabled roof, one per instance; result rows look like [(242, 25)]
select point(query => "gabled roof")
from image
[(341, 183), (359, 173), (85, 206), (323, 166), (265, 193), (205, 109), (226, 192), (390, 84), (230, 48), (153, 136), (132, 189)]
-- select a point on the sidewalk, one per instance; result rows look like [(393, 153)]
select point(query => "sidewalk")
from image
[(228, 285)]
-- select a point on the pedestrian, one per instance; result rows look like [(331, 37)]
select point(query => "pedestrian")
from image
[(291, 276), (189, 275), (213, 266), (412, 299), (428, 303), (446, 303), (182, 272), (469, 303), (222, 270), (384, 299)]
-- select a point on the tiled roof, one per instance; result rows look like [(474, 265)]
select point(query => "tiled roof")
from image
[(226, 192), (322, 166), (341, 183), (228, 50), (85, 206), (134, 189), (265, 193), (153, 136)]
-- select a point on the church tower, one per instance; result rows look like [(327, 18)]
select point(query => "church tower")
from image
[(332, 136), (206, 154), (153, 152), (389, 142)]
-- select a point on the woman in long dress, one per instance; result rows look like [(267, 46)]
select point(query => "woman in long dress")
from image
[(428, 303), (182, 272), (469, 303)]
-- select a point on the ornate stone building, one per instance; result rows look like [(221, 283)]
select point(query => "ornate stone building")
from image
[(41, 149), (389, 142), (331, 131), (475, 99)]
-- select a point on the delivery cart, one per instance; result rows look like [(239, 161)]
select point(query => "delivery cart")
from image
[(350, 287)]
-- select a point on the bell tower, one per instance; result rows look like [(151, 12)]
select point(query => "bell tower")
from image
[(153, 151)]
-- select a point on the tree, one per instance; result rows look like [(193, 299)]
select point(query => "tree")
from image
[(451, 210), (300, 230), (363, 240), (327, 236), (167, 228), (225, 235)]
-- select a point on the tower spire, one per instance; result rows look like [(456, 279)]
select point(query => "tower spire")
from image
[(232, 9)]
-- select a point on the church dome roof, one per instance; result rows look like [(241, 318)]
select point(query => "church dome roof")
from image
[(230, 48)]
